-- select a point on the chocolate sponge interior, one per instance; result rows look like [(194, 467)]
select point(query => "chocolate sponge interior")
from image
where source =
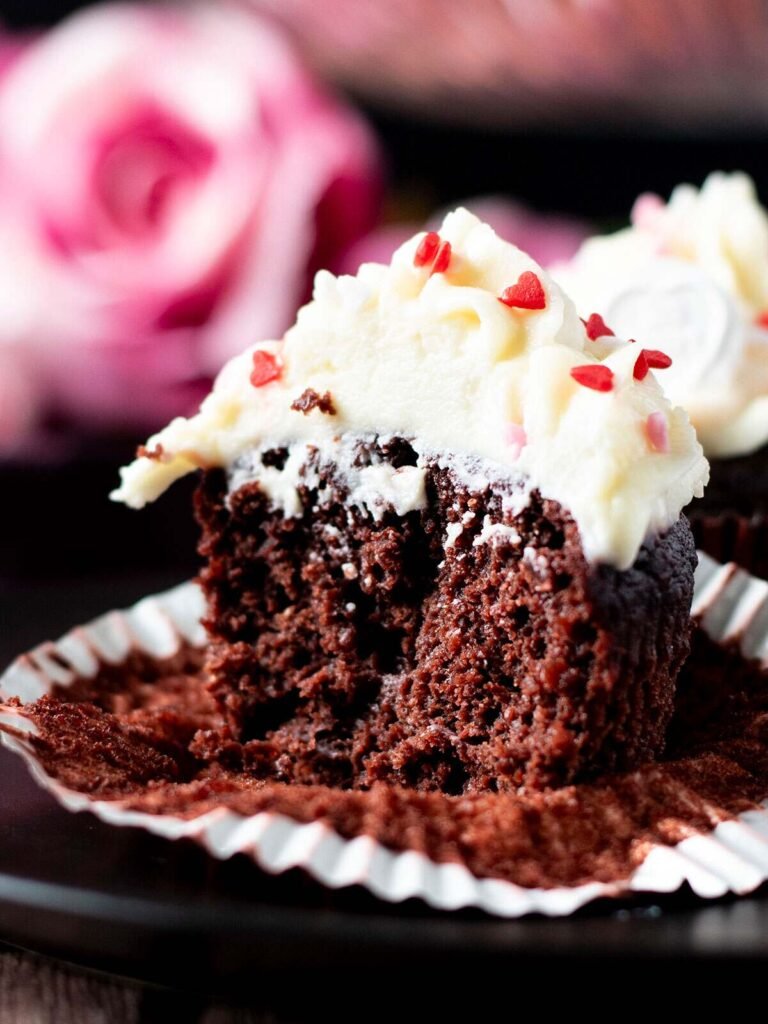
[(465, 646)]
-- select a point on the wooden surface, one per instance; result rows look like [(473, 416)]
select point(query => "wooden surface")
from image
[(34, 990)]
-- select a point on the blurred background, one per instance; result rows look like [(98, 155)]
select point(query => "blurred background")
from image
[(172, 176)]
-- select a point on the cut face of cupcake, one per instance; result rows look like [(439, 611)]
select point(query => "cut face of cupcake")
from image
[(441, 524), (691, 277)]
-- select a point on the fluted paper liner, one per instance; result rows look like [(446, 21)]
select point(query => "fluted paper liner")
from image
[(731, 606)]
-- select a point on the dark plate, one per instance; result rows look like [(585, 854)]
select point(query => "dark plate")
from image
[(122, 900)]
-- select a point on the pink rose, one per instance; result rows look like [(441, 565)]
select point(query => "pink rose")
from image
[(169, 179)]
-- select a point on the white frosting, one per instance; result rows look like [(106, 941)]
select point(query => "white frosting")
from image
[(437, 359), (452, 533), (496, 533), (374, 488), (691, 278)]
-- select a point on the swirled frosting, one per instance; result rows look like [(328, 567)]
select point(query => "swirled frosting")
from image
[(437, 358), (691, 277)]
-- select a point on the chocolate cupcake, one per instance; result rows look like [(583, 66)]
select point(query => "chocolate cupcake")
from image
[(691, 276), (442, 530)]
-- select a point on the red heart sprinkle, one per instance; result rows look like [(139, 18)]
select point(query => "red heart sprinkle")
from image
[(427, 249), (266, 368), (657, 360), (599, 378), (640, 371), (762, 319), (650, 359), (442, 259), (528, 293), (596, 327)]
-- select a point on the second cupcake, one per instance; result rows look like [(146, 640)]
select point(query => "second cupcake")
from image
[(691, 276)]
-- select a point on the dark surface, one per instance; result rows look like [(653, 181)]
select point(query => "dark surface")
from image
[(607, 167), (126, 902), (731, 521), (27, 13), (89, 534), (738, 484)]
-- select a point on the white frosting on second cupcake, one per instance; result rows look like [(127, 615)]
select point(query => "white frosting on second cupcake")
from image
[(691, 277)]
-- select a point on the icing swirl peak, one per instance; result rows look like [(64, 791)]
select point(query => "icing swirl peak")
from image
[(463, 346)]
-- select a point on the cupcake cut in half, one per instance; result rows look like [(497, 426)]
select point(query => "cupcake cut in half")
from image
[(442, 531)]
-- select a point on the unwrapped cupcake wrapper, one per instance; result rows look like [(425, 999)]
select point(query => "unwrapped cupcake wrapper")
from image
[(733, 537), (731, 606)]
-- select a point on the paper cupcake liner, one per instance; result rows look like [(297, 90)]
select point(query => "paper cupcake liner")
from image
[(731, 606)]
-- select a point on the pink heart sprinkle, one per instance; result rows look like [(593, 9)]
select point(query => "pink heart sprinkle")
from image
[(645, 212), (657, 432), (514, 436)]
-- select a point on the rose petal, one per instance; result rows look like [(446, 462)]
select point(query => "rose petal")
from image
[(183, 219)]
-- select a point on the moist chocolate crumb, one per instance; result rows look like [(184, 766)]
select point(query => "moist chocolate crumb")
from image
[(351, 649), (139, 733), (309, 399)]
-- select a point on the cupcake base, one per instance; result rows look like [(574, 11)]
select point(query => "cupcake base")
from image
[(105, 717), (464, 645)]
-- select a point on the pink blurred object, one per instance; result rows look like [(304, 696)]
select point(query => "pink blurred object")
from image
[(169, 179), (548, 238), (19, 402), (544, 62)]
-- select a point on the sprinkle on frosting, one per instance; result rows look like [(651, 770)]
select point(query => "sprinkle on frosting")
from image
[(594, 376), (650, 359), (647, 210), (266, 368), (427, 249), (433, 252), (693, 272), (438, 360), (527, 293), (657, 360), (156, 452), (596, 327), (442, 259), (657, 432), (515, 438), (309, 399)]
